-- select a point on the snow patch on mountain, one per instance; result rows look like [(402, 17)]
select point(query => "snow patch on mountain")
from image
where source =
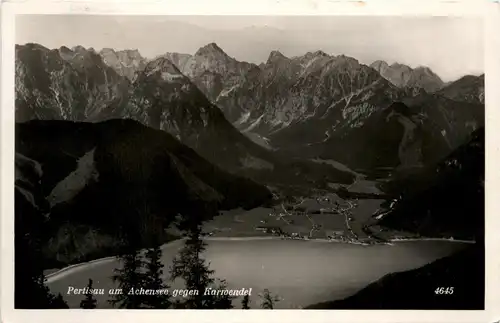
[(169, 77), (226, 92), (254, 124), (356, 114), (259, 140), (244, 118)]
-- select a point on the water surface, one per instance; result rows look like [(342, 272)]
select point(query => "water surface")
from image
[(300, 272)]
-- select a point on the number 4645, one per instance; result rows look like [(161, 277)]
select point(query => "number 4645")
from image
[(444, 291)]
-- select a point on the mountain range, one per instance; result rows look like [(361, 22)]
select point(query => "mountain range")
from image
[(111, 141), (317, 105), (77, 85), (253, 118)]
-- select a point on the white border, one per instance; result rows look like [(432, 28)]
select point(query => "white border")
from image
[(491, 12)]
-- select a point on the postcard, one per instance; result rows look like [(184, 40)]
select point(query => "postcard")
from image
[(164, 161)]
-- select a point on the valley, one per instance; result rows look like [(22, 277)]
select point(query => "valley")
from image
[(324, 216)]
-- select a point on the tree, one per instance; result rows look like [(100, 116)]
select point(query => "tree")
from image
[(268, 300), (130, 276), (89, 302), (196, 274), (220, 301), (245, 302), (154, 281), (57, 302)]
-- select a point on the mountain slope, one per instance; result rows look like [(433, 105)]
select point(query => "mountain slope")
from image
[(445, 199), (30, 218), (463, 271), (404, 76), (468, 88), (99, 178), (166, 99), (212, 70), (125, 62)]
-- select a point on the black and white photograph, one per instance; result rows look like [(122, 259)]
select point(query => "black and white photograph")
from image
[(249, 162)]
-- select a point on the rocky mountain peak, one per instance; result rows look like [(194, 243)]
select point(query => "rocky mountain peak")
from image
[(79, 49), (65, 49), (378, 64), (125, 62), (32, 46), (397, 65), (425, 70), (177, 56), (131, 53), (65, 52), (276, 55), (210, 49), (402, 75), (161, 64), (312, 55), (320, 53), (131, 57), (107, 51), (345, 61)]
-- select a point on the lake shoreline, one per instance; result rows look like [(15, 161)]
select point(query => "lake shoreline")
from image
[(54, 276)]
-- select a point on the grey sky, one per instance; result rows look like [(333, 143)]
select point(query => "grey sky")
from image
[(452, 47)]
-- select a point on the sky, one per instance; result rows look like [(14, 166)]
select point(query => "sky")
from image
[(450, 46)]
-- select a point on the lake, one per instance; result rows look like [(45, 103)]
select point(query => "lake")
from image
[(300, 272)]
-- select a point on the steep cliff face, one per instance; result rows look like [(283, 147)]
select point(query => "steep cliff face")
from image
[(212, 70), (67, 84), (397, 74), (46, 85), (404, 76), (126, 63), (337, 94)]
